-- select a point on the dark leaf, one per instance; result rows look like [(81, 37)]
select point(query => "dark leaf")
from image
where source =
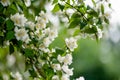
[(10, 35), (102, 8), (32, 73), (90, 30), (11, 48), (106, 20), (74, 23), (82, 24), (1, 8), (1, 20), (75, 15), (28, 53), (1, 40), (61, 7), (9, 24)]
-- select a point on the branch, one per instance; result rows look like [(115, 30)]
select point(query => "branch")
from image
[(77, 10)]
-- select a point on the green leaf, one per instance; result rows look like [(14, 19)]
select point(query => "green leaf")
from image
[(102, 8), (9, 24), (93, 2), (49, 73), (55, 1), (61, 7), (106, 20), (1, 8), (32, 73), (28, 52), (75, 15), (11, 48), (74, 23), (59, 51), (82, 24), (93, 13), (10, 35), (56, 8), (76, 32), (109, 5), (1, 40), (1, 19), (90, 30)]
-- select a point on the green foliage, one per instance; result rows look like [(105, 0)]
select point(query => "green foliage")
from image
[(11, 48), (56, 8), (10, 25), (35, 33), (10, 35)]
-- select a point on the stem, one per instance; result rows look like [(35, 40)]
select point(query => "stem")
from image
[(77, 10)]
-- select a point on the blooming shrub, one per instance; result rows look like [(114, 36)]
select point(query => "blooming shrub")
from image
[(28, 30)]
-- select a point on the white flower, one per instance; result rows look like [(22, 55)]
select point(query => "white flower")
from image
[(21, 34), (5, 2), (46, 31), (55, 77), (53, 34), (46, 41), (80, 78), (40, 25), (71, 43), (68, 59), (56, 66), (27, 3), (10, 60), (5, 77), (67, 70), (65, 77), (31, 25), (18, 19), (17, 76), (99, 33), (60, 58), (44, 49), (44, 16)]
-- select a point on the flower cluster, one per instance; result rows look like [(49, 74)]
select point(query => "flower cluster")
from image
[(64, 61), (20, 32), (33, 37)]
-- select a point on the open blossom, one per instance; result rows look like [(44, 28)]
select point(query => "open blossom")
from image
[(47, 41), (99, 33), (80, 78), (17, 76), (40, 25), (44, 16), (53, 34), (60, 58), (5, 2), (56, 66), (18, 19), (55, 77), (27, 3), (31, 25), (71, 43), (65, 77), (21, 34), (11, 60), (67, 70), (68, 59)]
